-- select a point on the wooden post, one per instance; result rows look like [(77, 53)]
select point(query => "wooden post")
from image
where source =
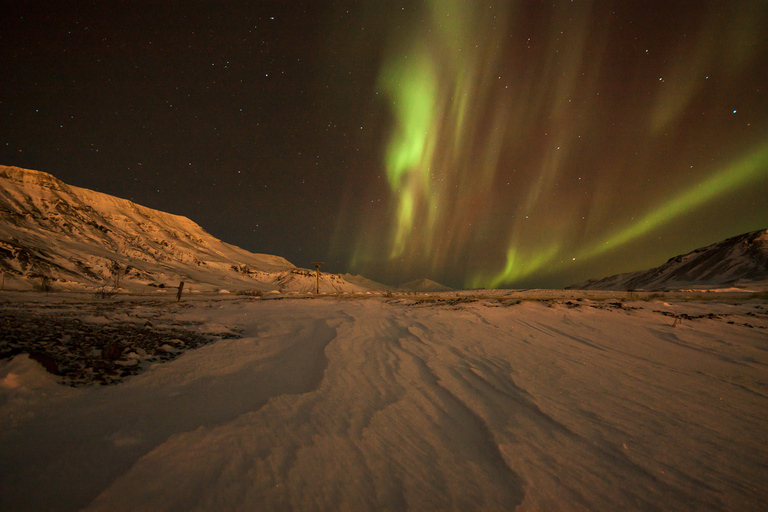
[(178, 295), (317, 266)]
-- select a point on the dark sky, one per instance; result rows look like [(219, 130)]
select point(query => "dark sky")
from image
[(493, 144)]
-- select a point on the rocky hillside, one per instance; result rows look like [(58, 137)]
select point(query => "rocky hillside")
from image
[(740, 261), (423, 285), (67, 237)]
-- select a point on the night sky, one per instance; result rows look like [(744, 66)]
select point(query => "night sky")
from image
[(479, 144)]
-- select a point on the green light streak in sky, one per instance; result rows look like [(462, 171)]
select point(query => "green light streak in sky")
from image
[(746, 170), (405, 223), (436, 83), (518, 266), (412, 87), (514, 155)]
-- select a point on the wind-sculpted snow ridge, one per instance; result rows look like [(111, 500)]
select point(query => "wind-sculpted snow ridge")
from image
[(738, 262), (71, 238), (409, 403)]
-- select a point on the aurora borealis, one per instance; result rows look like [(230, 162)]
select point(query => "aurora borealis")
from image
[(536, 144), (478, 144)]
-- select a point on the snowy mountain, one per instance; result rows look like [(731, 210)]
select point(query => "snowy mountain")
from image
[(740, 262), (79, 239), (423, 285), (365, 282)]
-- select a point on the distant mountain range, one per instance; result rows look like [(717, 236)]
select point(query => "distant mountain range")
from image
[(738, 262), (78, 239), (423, 285)]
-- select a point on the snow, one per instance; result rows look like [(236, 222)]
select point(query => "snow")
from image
[(543, 400), (82, 240)]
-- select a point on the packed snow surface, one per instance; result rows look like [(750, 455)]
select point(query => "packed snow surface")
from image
[(411, 402)]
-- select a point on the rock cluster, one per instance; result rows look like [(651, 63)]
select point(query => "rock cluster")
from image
[(84, 353)]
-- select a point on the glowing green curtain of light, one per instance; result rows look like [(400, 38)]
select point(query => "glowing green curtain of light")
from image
[(517, 267), (411, 84), (748, 169)]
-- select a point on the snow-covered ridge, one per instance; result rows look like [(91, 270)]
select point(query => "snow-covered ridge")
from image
[(423, 285), (738, 262), (81, 239)]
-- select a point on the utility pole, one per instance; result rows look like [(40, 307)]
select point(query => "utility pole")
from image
[(317, 266)]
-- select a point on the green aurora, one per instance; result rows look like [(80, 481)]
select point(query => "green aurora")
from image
[(543, 153), (751, 169)]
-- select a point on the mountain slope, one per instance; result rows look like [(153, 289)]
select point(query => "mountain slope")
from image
[(80, 238), (423, 285), (740, 261)]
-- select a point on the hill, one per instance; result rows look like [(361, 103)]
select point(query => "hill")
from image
[(423, 285), (738, 262), (79, 239)]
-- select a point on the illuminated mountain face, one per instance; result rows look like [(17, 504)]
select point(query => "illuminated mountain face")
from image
[(548, 145), (82, 240)]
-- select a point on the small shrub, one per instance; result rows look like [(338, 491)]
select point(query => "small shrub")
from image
[(104, 293), (250, 293), (44, 286)]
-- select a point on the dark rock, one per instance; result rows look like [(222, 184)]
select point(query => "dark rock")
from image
[(112, 351), (85, 354), (49, 363)]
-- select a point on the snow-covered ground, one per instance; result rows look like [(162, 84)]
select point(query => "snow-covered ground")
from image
[(538, 400)]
